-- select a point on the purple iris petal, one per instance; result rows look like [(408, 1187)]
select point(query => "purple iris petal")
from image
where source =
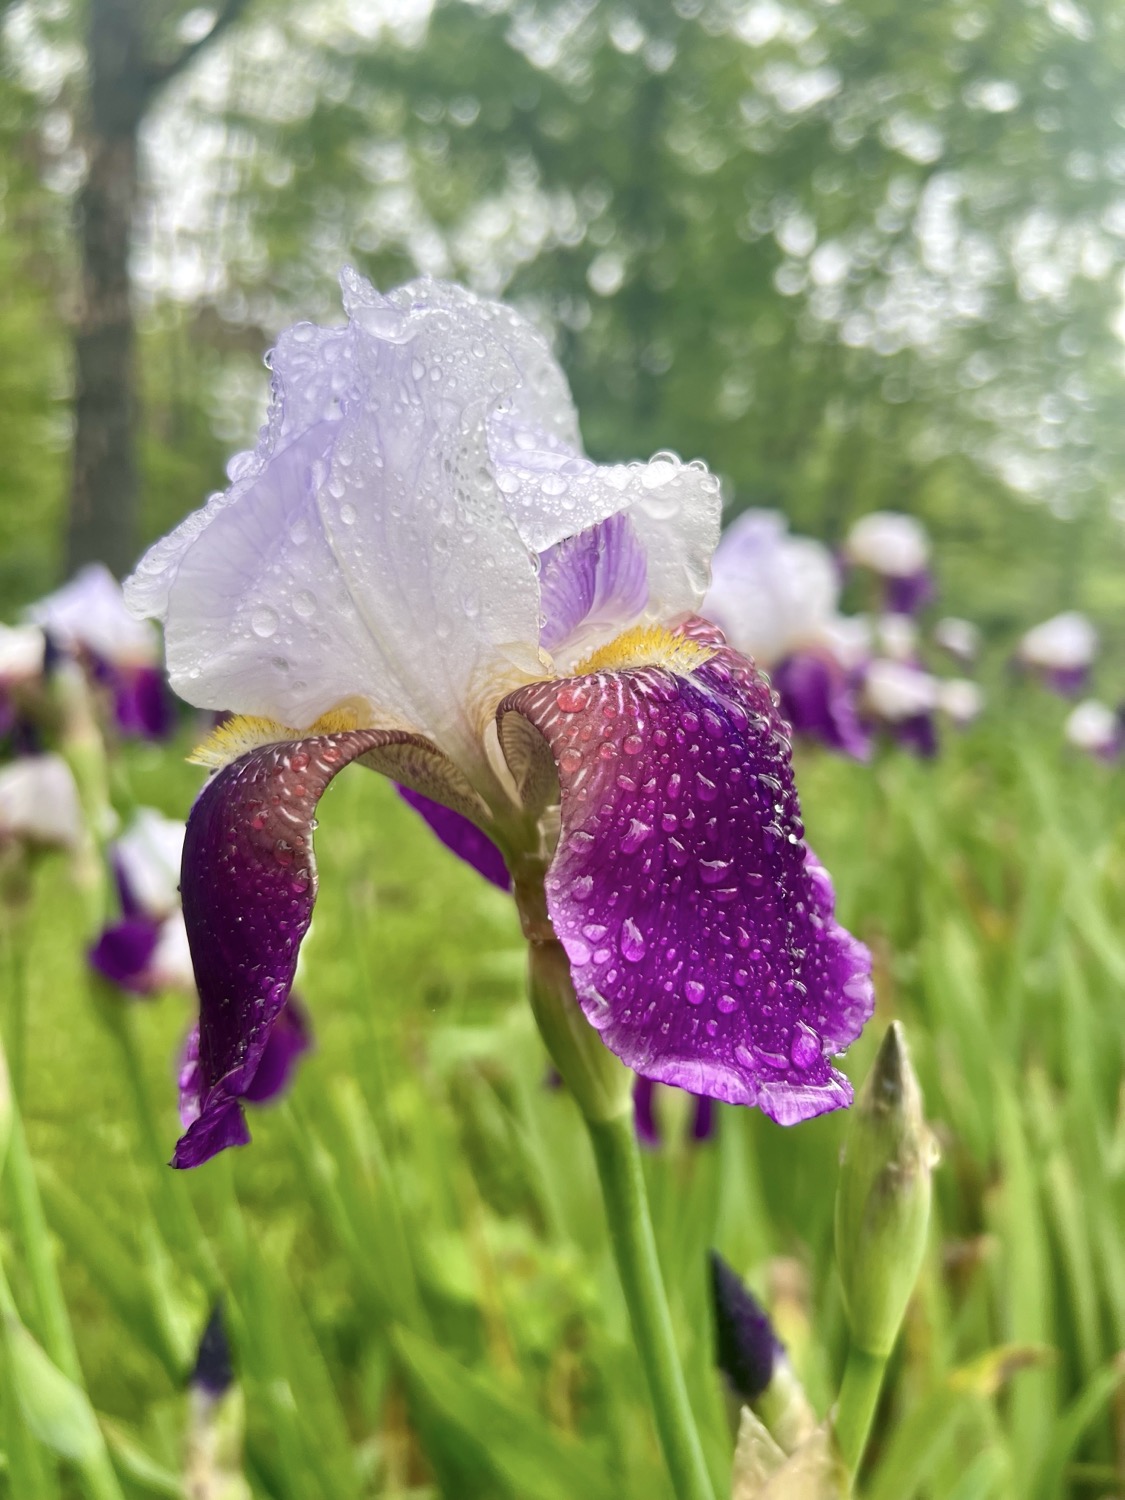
[(818, 699), (463, 837), (142, 704), (248, 884), (597, 578), (644, 1114), (288, 1040), (698, 925), (917, 733), (746, 1347), (123, 952), (909, 592), (1068, 682), (703, 1119), (647, 1125)]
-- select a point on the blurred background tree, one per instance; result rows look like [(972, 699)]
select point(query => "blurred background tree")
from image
[(853, 254)]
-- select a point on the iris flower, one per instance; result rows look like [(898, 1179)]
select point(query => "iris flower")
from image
[(777, 599), (896, 548), (419, 569), (88, 620)]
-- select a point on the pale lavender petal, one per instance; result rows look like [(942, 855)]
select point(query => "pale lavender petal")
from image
[(462, 836), (592, 583), (771, 593), (698, 925)]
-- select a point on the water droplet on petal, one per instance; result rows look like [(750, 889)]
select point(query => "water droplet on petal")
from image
[(694, 992), (632, 941), (805, 1047), (264, 621), (572, 699)]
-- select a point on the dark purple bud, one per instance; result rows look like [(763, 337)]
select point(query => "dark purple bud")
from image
[(746, 1347), (212, 1372)]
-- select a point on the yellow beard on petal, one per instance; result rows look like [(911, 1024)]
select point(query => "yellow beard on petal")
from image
[(243, 733), (646, 646)]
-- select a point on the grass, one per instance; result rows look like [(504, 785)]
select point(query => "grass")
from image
[(412, 1256)]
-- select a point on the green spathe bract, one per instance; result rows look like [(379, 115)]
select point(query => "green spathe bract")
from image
[(883, 1199)]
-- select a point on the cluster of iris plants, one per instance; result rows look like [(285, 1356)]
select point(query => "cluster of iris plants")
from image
[(562, 668)]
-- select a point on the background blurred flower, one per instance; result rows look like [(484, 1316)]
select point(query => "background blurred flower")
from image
[(88, 619), (1062, 650), (897, 548), (960, 638), (776, 598), (39, 803), (147, 949), (1093, 726)]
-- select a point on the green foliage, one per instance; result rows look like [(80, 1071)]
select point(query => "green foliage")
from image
[(412, 1255)]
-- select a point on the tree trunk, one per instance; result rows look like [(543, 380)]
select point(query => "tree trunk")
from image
[(104, 491), (123, 80)]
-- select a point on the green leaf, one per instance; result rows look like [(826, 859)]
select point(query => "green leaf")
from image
[(497, 1434)]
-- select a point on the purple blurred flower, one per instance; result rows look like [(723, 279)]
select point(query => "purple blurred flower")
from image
[(1061, 650), (896, 547), (146, 951), (776, 598), (902, 699), (649, 1132), (420, 565), (87, 618)]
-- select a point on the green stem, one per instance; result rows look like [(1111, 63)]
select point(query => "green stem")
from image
[(859, 1396), (634, 1245)]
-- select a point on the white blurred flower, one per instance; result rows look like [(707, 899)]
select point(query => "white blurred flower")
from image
[(960, 638), (889, 543), (960, 700), (1095, 727), (894, 691), (148, 860), (89, 613), (1064, 643), (39, 802)]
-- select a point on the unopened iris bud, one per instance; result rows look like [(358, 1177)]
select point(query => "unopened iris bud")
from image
[(212, 1372), (883, 1199), (216, 1423), (753, 1359)]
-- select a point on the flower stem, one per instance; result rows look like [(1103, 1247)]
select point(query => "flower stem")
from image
[(859, 1395), (634, 1245)]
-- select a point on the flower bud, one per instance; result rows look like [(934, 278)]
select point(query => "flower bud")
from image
[(753, 1359), (883, 1198)]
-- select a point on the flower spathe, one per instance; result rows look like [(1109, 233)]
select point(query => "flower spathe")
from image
[(420, 564)]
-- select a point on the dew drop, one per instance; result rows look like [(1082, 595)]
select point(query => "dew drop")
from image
[(694, 992), (633, 744), (636, 836), (264, 621), (632, 941), (726, 1004), (711, 871), (304, 604), (570, 760), (572, 700), (348, 513), (805, 1047)]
